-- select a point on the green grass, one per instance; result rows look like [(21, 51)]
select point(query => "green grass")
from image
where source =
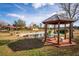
[(34, 47), (3, 42), (9, 46), (6, 50)]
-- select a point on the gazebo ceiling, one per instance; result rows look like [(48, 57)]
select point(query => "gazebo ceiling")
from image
[(55, 19)]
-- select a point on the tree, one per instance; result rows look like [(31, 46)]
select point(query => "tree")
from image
[(40, 25), (72, 11), (35, 26), (8, 27), (19, 23)]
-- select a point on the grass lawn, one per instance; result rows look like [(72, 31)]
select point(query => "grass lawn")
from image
[(34, 47)]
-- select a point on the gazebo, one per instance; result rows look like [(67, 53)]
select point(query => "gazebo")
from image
[(58, 20)]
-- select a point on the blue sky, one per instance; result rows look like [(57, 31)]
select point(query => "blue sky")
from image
[(29, 12)]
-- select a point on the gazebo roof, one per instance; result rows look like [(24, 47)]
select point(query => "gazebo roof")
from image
[(55, 19)]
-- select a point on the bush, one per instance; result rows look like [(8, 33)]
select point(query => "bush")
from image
[(62, 31), (49, 32)]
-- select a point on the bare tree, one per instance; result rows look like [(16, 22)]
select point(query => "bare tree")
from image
[(20, 23), (72, 11)]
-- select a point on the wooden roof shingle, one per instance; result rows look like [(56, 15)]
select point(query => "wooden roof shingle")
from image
[(55, 19)]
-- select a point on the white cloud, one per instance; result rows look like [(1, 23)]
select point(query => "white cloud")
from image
[(58, 12), (18, 6), (51, 3), (61, 12), (13, 15), (38, 5), (16, 15)]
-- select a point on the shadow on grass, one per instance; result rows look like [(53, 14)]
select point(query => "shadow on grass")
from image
[(25, 44), (3, 42)]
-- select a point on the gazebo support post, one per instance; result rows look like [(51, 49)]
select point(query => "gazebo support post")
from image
[(70, 34), (45, 32), (65, 32), (72, 30), (54, 30), (58, 32)]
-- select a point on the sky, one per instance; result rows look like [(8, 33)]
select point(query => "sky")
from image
[(28, 12)]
